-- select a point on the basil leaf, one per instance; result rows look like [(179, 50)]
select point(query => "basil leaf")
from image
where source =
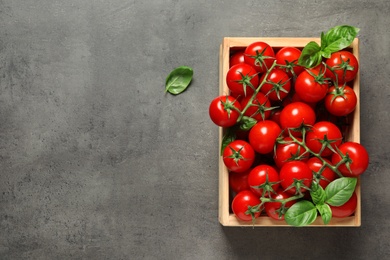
[(340, 191), (301, 213), (310, 56), (178, 80), (317, 194), (228, 137), (325, 212), (247, 123), (338, 38)]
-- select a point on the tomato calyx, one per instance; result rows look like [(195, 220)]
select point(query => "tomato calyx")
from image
[(326, 143), (289, 67), (298, 185), (338, 92), (267, 186), (277, 87), (245, 81), (320, 77), (261, 108), (236, 154), (228, 106), (260, 58), (252, 210)]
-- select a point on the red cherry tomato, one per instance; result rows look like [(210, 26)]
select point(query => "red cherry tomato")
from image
[(263, 179), (296, 114), (260, 55), (358, 159), (317, 133), (222, 113), (241, 202), (278, 85), (263, 135), (311, 85), (242, 79), (295, 171), (238, 156), (340, 101), (345, 66), (288, 57)]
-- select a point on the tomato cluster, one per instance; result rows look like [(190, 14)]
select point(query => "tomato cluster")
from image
[(284, 129)]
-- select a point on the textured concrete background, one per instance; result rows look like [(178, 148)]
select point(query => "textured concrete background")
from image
[(98, 163)]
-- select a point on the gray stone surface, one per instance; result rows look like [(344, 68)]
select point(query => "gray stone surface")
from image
[(98, 163)]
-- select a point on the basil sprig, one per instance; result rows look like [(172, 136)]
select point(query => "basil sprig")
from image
[(178, 80), (336, 39), (337, 193)]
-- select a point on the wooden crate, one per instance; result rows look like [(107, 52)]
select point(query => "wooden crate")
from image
[(226, 217)]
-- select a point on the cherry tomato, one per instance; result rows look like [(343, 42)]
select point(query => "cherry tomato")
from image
[(278, 85), (288, 57), (345, 66), (263, 135), (311, 85), (345, 210), (273, 208), (327, 174), (259, 55), (317, 133), (295, 171), (222, 113), (296, 114), (238, 181), (242, 79), (260, 108), (238, 156), (236, 58), (358, 159), (287, 152), (241, 202), (263, 179), (340, 101)]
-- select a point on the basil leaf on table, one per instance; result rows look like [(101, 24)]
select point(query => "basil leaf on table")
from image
[(178, 80), (340, 191), (301, 213)]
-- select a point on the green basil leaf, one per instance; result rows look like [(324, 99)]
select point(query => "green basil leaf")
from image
[(301, 213), (310, 56), (228, 137), (178, 80), (247, 123), (317, 194), (338, 38), (325, 212), (340, 191)]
